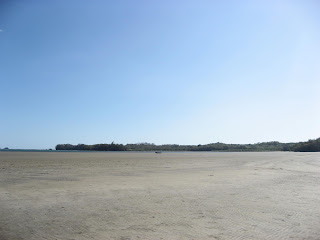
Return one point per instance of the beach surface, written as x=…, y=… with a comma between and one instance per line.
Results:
x=185, y=195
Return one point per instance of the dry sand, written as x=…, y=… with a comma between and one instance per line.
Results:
x=100, y=195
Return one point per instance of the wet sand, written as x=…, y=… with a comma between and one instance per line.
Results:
x=128, y=195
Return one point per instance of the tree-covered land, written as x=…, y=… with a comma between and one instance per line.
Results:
x=266, y=146
x=310, y=146
x=95, y=147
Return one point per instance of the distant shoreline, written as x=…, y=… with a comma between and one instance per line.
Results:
x=310, y=146
x=130, y=151
x=274, y=146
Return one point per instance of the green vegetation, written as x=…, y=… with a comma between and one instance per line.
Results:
x=258, y=147
x=310, y=146
x=96, y=147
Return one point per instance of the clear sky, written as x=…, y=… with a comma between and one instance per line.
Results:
x=185, y=72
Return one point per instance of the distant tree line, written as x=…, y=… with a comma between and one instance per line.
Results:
x=95, y=147
x=258, y=147
x=310, y=146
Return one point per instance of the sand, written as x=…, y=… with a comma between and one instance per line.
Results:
x=129, y=195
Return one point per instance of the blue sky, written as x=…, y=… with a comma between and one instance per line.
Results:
x=186, y=72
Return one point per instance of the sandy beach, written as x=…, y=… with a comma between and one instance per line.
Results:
x=131, y=195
